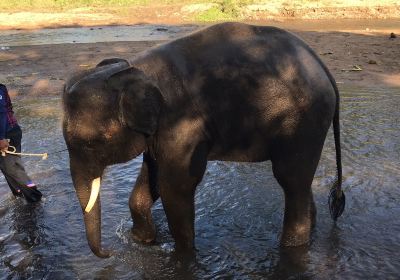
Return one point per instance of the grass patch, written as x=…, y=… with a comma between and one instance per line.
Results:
x=48, y=5
x=213, y=14
x=224, y=10
x=23, y=5
x=227, y=8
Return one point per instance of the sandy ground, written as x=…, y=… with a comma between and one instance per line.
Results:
x=187, y=13
x=362, y=60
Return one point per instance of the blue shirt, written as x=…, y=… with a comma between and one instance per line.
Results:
x=7, y=119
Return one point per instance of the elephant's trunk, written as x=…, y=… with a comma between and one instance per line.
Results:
x=91, y=208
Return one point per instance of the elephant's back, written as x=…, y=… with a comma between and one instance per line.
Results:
x=237, y=52
x=262, y=81
x=244, y=64
x=234, y=56
x=250, y=84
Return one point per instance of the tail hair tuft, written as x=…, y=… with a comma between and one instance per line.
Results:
x=336, y=201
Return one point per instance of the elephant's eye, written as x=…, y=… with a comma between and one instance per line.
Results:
x=91, y=145
x=87, y=147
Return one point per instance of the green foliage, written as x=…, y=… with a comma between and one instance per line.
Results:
x=66, y=4
x=213, y=14
x=225, y=10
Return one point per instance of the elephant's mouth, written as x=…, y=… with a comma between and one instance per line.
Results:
x=94, y=193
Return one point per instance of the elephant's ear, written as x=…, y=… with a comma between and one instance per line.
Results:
x=140, y=100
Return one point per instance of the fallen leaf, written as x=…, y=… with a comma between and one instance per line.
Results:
x=355, y=68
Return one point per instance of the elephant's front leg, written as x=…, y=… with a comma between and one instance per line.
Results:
x=178, y=179
x=142, y=198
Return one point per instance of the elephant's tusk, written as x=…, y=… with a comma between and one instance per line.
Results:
x=93, y=194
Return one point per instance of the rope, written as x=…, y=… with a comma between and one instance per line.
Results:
x=13, y=152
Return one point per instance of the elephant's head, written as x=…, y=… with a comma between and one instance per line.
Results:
x=109, y=114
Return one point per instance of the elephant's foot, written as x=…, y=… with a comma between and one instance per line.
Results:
x=145, y=235
x=297, y=235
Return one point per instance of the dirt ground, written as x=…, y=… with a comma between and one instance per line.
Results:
x=359, y=57
x=188, y=13
x=362, y=60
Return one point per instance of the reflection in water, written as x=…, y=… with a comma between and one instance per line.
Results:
x=292, y=262
x=239, y=209
x=24, y=235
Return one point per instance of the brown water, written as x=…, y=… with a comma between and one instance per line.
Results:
x=238, y=211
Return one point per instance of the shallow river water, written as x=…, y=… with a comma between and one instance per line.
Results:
x=146, y=32
x=239, y=210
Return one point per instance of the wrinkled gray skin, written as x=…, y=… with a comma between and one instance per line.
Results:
x=230, y=92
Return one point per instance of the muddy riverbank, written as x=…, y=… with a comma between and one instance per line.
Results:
x=356, y=57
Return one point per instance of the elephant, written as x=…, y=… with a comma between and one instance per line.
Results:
x=229, y=92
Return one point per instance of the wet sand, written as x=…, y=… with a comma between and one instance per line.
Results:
x=355, y=58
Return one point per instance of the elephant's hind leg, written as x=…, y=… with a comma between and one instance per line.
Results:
x=295, y=174
x=142, y=198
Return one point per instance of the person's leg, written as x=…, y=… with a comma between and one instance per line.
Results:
x=14, y=186
x=17, y=179
x=15, y=172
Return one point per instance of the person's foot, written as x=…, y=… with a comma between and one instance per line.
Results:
x=31, y=193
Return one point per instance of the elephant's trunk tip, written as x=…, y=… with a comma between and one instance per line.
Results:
x=101, y=253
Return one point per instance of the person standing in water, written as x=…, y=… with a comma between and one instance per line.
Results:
x=11, y=165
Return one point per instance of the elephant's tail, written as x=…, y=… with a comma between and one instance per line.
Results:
x=337, y=198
